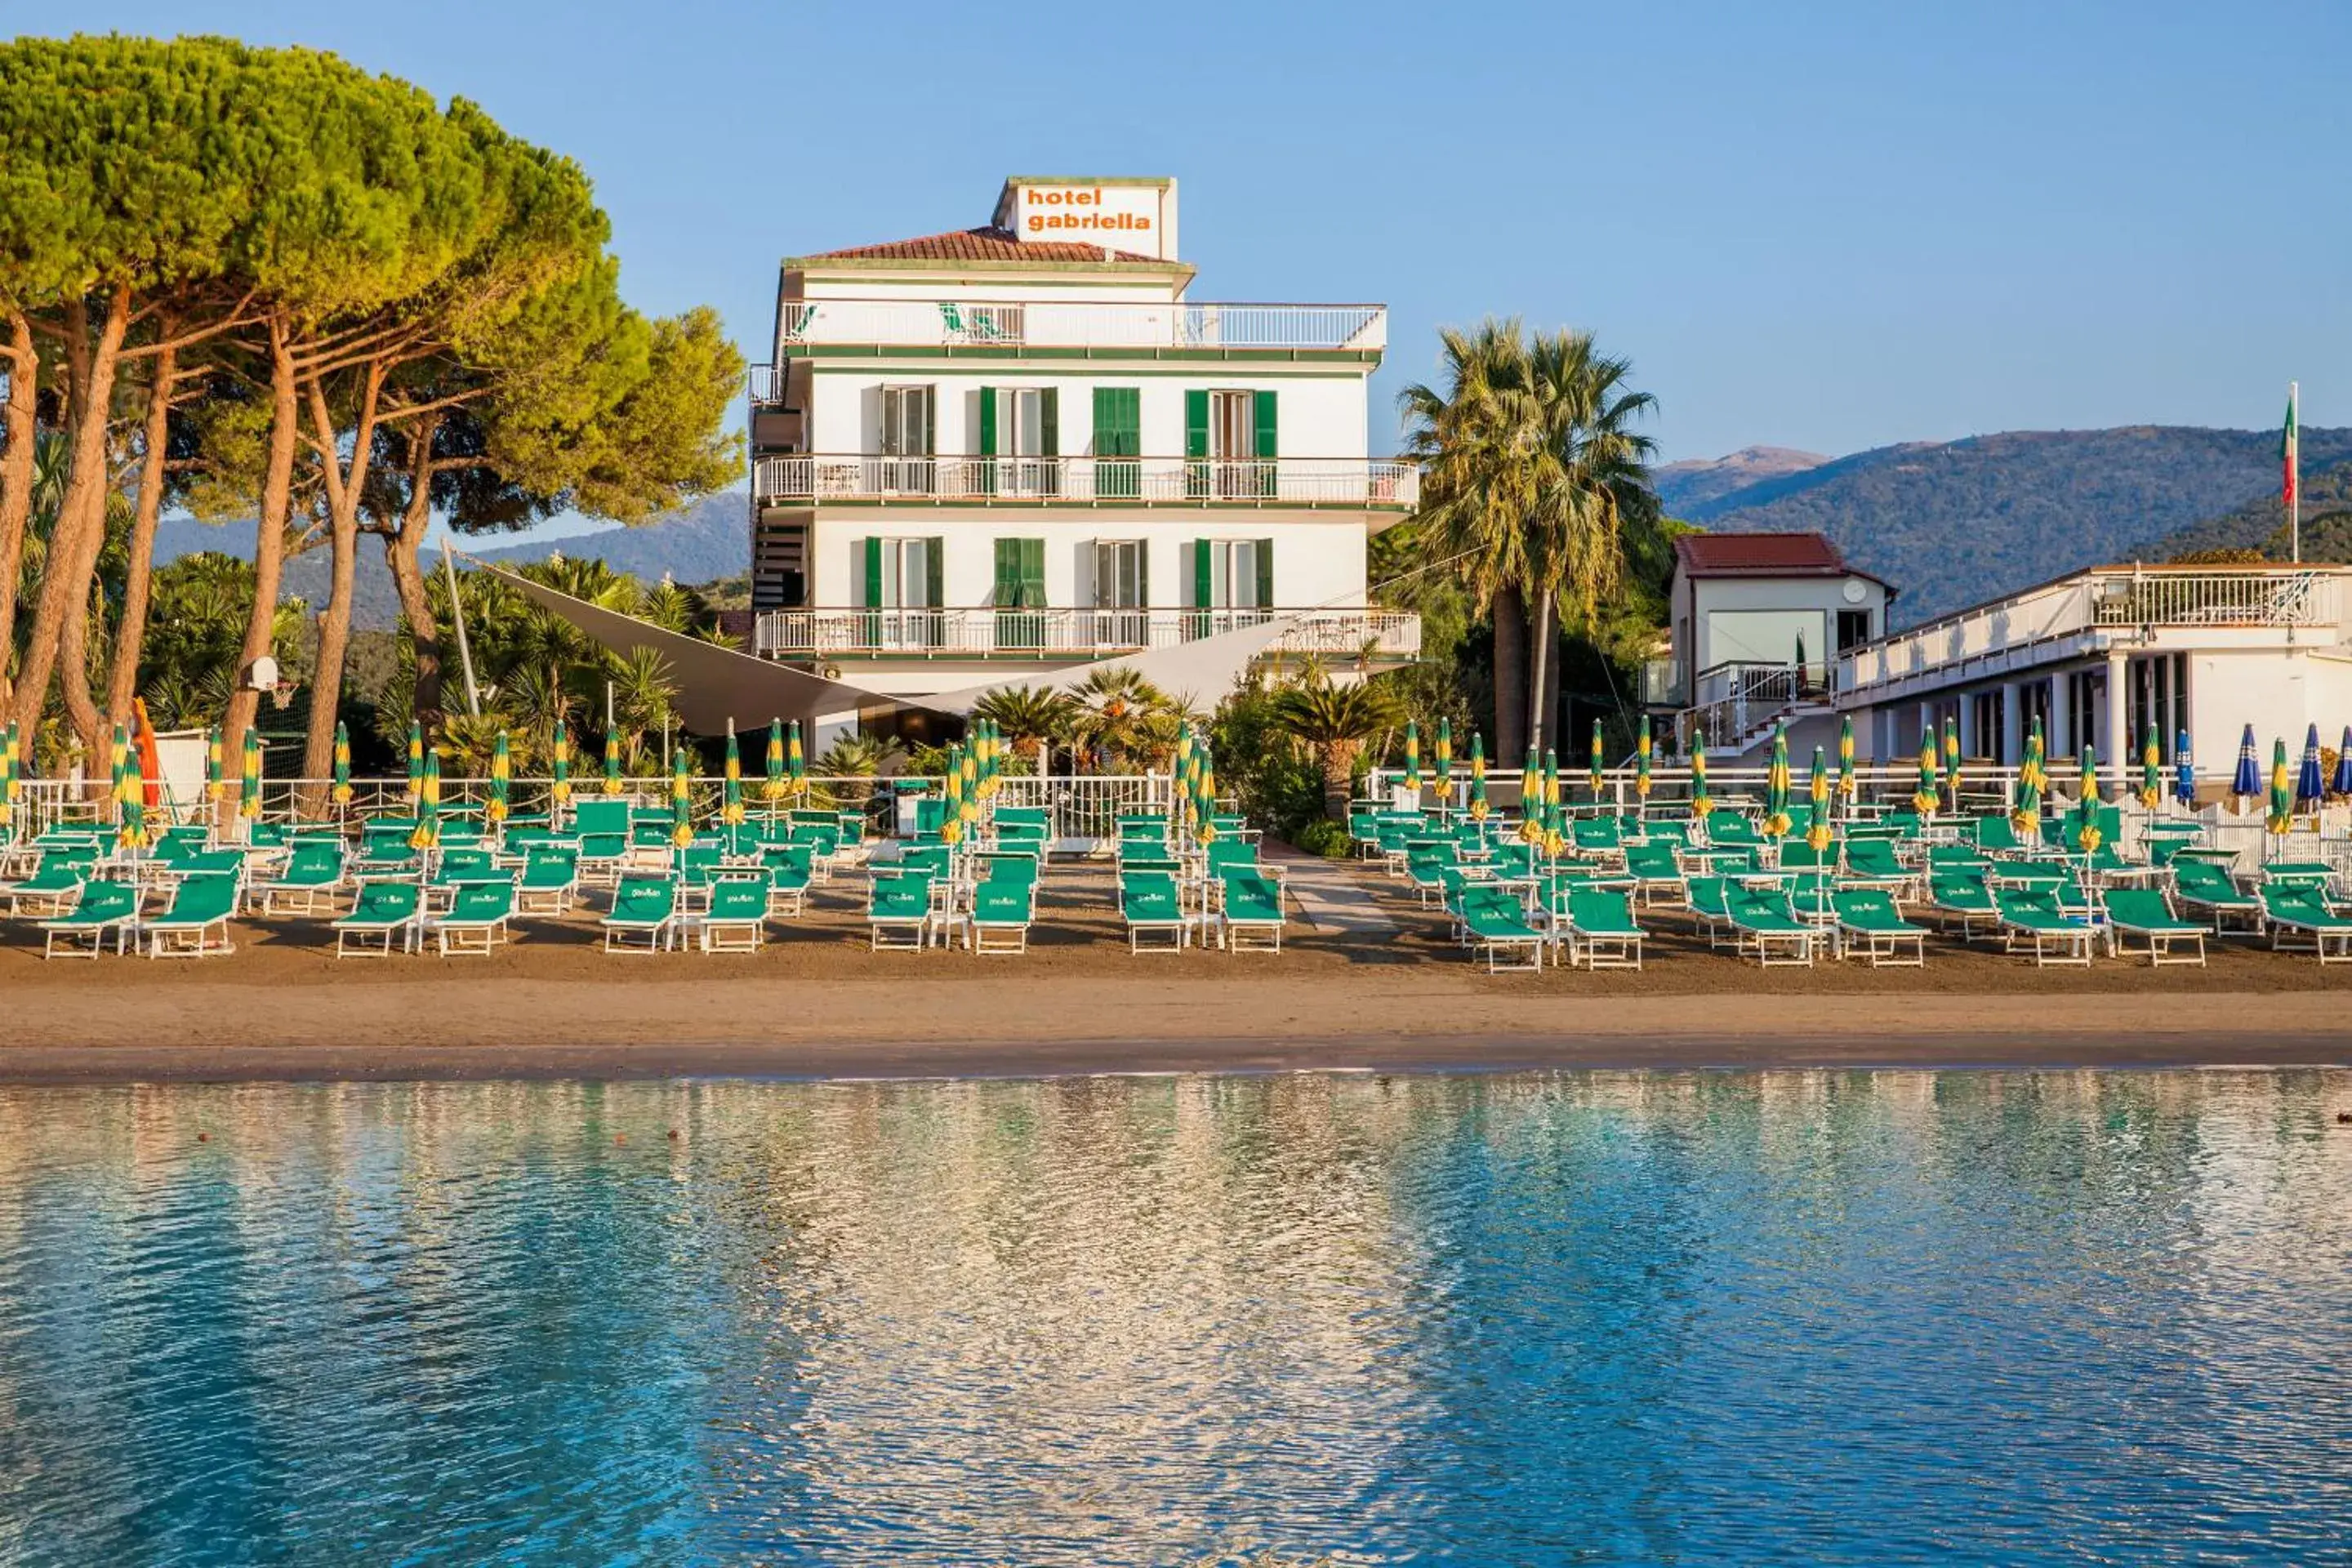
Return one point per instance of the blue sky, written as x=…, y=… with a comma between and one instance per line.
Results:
x=1825, y=226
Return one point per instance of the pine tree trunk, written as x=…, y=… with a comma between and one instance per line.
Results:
x=269, y=541
x=344, y=487
x=1510, y=625
x=15, y=474
x=130, y=641
x=404, y=548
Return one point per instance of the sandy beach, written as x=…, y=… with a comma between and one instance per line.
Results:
x=1366, y=981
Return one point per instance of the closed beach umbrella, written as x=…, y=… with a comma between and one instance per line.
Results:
x=1531, y=798
x=2184, y=771
x=612, y=761
x=795, y=758
x=415, y=762
x=773, y=790
x=2282, y=803
x=1208, y=797
x=502, y=778
x=1952, y=760
x=559, y=763
x=1412, y=757
x=682, y=800
x=216, y=770
x=341, y=792
x=2310, y=782
x=1644, y=749
x=2025, y=811
x=952, y=792
x=1775, y=786
x=427, y=832
x=1817, y=829
x=1930, y=791
x=248, y=801
x=970, y=788
x=2151, y=771
x=1849, y=785
x=1597, y=767
x=731, y=805
x=2086, y=802
x=2343, y=780
x=2247, y=782
x=131, y=790
x=8, y=785
x=1477, y=776
x=1552, y=777
x=1445, y=761
x=118, y=753
x=1701, y=802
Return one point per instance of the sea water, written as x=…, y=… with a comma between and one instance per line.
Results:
x=1803, y=1316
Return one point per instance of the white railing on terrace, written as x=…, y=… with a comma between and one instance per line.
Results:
x=1730, y=701
x=2089, y=602
x=767, y=383
x=1257, y=481
x=1147, y=326
x=988, y=633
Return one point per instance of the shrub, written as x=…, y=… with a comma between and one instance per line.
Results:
x=1325, y=838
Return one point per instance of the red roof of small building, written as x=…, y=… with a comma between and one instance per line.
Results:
x=986, y=243
x=1765, y=555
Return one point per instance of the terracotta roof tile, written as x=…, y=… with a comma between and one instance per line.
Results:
x=983, y=244
x=1765, y=555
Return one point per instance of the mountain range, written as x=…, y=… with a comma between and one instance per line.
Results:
x=1954, y=523
x=707, y=539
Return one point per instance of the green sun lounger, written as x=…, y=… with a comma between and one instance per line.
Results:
x=54, y=886
x=1996, y=835
x=1252, y=919
x=1871, y=862
x=898, y=909
x=2147, y=914
x=1153, y=906
x=1764, y=926
x=737, y=919
x=1002, y=912
x=476, y=919
x=380, y=911
x=1966, y=899
x=644, y=915
x=790, y=871
x=196, y=924
x=1710, y=908
x=314, y=870
x=2205, y=886
x=1495, y=920
x=2301, y=920
x=1796, y=855
x=550, y=876
x=1601, y=931
x=104, y=908
x=1730, y=830
x=1868, y=922
x=1657, y=873
x=2031, y=917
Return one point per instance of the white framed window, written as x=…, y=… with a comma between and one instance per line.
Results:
x=1120, y=575
x=906, y=440
x=1235, y=569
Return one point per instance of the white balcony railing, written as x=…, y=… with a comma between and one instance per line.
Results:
x=1336, y=633
x=767, y=383
x=1144, y=326
x=1287, y=481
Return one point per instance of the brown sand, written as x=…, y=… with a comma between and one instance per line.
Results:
x=815, y=1002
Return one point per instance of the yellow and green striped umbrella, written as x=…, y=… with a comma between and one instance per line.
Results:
x=772, y=790
x=118, y=752
x=1555, y=839
x=341, y=792
x=1207, y=830
x=2086, y=803
x=1952, y=759
x=415, y=760
x=681, y=797
x=1441, y=770
x=1776, y=822
x=502, y=778
x=612, y=760
x=427, y=832
x=1477, y=776
x=1599, y=771
x=1531, y=799
x=795, y=760
x=951, y=818
x=731, y=803
x=992, y=754
x=970, y=787
x=1930, y=793
x=2282, y=802
x=1817, y=825
x=131, y=797
x=1412, y=757
x=249, y=800
x=1849, y=783
x=1644, y=749
x=1552, y=777
x=9, y=786
x=2025, y=811
x=559, y=763
x=216, y=770
x=1702, y=804
x=2151, y=771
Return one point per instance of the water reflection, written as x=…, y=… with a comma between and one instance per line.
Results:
x=1615, y=1316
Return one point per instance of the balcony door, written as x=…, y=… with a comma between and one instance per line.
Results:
x=908, y=435
x=1122, y=594
x=902, y=593
x=1231, y=441
x=1021, y=594
x=1020, y=437
x=1233, y=584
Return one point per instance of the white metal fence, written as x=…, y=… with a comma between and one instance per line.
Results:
x=795, y=634
x=1086, y=324
x=1254, y=482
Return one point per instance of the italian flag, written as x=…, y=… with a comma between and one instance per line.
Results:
x=2287, y=452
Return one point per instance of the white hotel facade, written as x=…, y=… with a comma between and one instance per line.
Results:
x=1016, y=448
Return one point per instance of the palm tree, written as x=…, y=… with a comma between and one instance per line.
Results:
x=1110, y=706
x=1336, y=721
x=1028, y=716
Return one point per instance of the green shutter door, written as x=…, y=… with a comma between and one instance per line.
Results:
x=1119, y=434
x=1033, y=574
x=1196, y=444
x=988, y=441
x=1204, y=587
x=1020, y=593
x=1008, y=573
x=871, y=632
x=1266, y=573
x=935, y=553
x=1049, y=439
x=1268, y=445
x=1143, y=575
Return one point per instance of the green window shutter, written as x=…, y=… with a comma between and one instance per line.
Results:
x=1196, y=424
x=988, y=422
x=873, y=573
x=931, y=421
x=1049, y=422
x=1119, y=434
x=1268, y=445
x=1143, y=574
x=1033, y=574
x=934, y=568
x=1204, y=578
x=1008, y=572
x=1265, y=571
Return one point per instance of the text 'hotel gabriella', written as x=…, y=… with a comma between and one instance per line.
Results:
x=1023, y=447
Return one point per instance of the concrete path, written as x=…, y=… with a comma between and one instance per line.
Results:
x=1334, y=896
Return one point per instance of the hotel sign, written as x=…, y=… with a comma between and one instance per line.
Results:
x=1127, y=215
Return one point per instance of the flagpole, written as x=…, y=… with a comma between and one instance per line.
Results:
x=2295, y=473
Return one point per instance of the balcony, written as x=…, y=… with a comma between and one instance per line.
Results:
x=2145, y=607
x=1351, y=482
x=1116, y=329
x=1385, y=636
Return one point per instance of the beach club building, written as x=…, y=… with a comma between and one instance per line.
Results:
x=1011, y=450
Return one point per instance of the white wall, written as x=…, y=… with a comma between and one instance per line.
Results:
x=2281, y=694
x=1699, y=597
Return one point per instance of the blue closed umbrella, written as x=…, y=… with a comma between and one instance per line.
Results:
x=2344, y=762
x=2248, y=783
x=2310, y=783
x=2184, y=775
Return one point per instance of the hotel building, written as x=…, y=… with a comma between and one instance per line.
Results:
x=1008, y=450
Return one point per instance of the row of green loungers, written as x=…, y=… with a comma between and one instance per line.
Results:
x=1170, y=890
x=926, y=901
